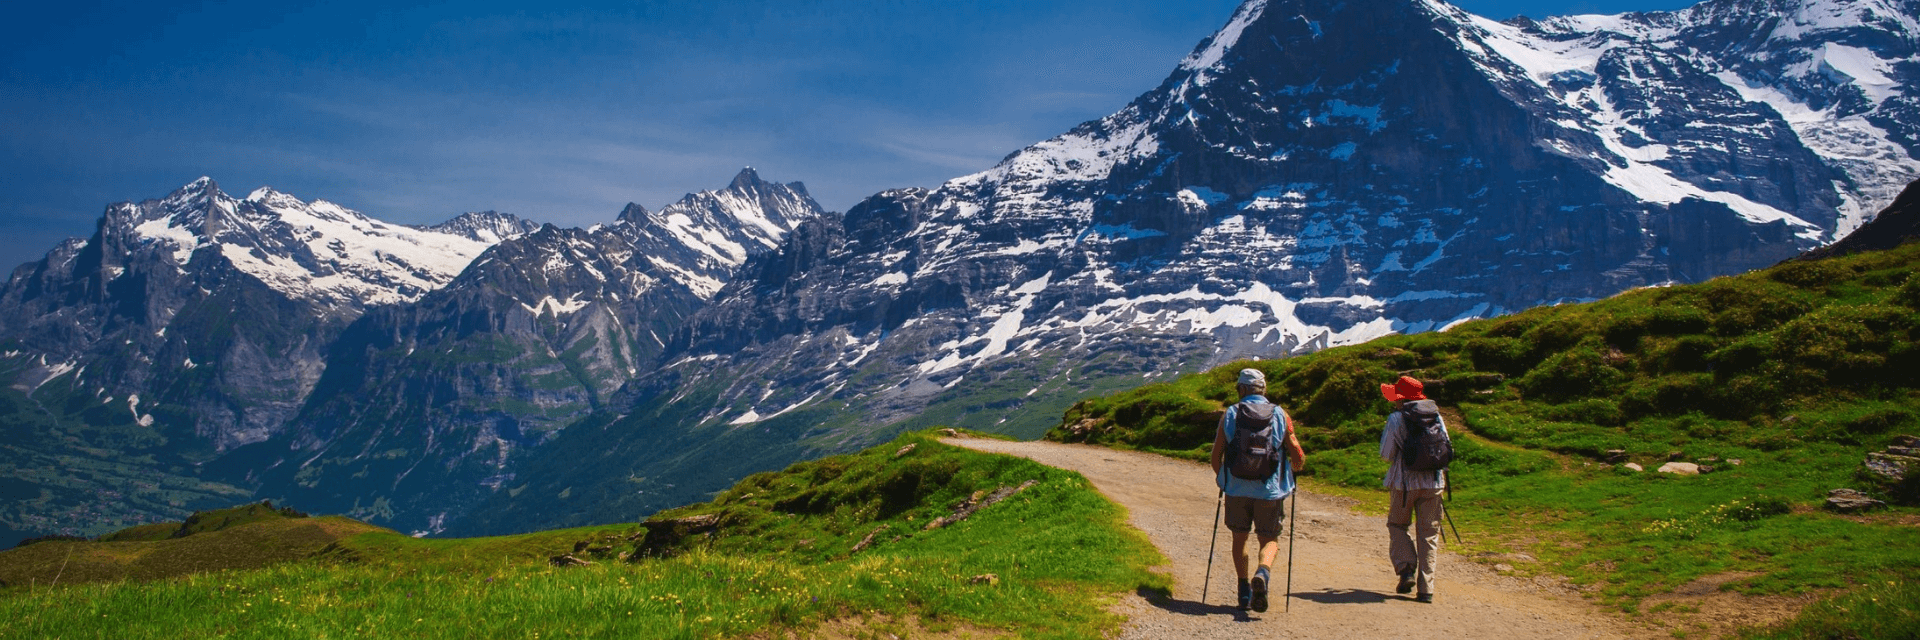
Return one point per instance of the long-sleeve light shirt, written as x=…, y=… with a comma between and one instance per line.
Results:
x=1398, y=477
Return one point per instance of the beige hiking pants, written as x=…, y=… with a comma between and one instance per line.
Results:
x=1411, y=555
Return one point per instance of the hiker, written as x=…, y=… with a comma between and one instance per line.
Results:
x=1254, y=505
x=1412, y=443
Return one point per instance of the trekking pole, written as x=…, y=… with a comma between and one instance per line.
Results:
x=1204, y=582
x=1449, y=517
x=1292, y=528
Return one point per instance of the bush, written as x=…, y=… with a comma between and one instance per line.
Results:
x=1811, y=274
x=1757, y=508
x=1505, y=355
x=1909, y=293
x=1574, y=373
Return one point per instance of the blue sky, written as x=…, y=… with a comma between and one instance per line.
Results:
x=416, y=111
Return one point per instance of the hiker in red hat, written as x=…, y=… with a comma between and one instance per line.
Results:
x=1417, y=449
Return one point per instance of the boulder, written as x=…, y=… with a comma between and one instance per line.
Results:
x=1634, y=466
x=905, y=450
x=1850, y=501
x=1680, y=468
x=1616, y=456
x=988, y=579
x=1892, y=467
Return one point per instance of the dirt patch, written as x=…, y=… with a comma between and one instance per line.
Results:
x=1703, y=607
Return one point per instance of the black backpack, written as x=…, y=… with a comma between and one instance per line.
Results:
x=1252, y=454
x=1424, y=445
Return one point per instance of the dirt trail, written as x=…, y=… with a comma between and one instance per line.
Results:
x=1342, y=584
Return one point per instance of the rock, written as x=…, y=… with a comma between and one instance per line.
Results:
x=1503, y=568
x=951, y=433
x=1680, y=468
x=1706, y=468
x=988, y=579
x=1634, y=466
x=1735, y=461
x=868, y=541
x=976, y=503
x=566, y=560
x=1709, y=459
x=1850, y=501
x=1903, y=451
x=1892, y=467
x=905, y=450
x=1616, y=456
x=1675, y=455
x=1906, y=441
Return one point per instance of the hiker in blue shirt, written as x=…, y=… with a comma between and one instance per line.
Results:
x=1255, y=504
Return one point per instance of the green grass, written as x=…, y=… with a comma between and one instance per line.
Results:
x=1796, y=371
x=780, y=558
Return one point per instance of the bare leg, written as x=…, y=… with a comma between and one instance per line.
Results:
x=1240, y=554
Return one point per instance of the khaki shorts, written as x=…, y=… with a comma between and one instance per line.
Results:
x=1260, y=516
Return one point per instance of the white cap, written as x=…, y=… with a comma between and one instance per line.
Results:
x=1253, y=378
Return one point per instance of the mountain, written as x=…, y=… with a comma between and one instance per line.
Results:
x=187, y=326
x=1317, y=173
x=424, y=406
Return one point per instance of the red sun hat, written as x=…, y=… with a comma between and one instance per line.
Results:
x=1406, y=388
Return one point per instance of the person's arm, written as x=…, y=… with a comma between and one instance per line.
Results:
x=1292, y=445
x=1220, y=445
x=1390, y=438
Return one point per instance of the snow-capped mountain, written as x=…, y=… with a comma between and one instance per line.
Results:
x=535, y=335
x=153, y=300
x=1316, y=173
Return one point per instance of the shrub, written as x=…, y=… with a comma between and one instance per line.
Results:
x=1574, y=373
x=1811, y=274
x=1505, y=355
x=1757, y=508
x=1909, y=293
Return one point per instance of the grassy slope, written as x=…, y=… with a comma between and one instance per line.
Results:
x=780, y=557
x=1797, y=371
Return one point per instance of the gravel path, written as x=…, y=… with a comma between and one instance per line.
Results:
x=1342, y=584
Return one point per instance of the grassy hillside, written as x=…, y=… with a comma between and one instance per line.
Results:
x=75, y=462
x=1781, y=381
x=775, y=552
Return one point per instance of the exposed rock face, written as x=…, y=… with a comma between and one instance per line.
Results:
x=1898, y=223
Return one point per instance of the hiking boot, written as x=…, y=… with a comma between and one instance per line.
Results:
x=1246, y=595
x=1424, y=597
x=1406, y=584
x=1260, y=590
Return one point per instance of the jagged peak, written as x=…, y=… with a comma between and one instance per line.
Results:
x=202, y=187
x=633, y=214
x=746, y=179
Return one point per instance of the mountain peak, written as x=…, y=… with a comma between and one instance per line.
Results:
x=632, y=214
x=202, y=187
x=746, y=179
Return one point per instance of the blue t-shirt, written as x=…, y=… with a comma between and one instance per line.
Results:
x=1274, y=488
